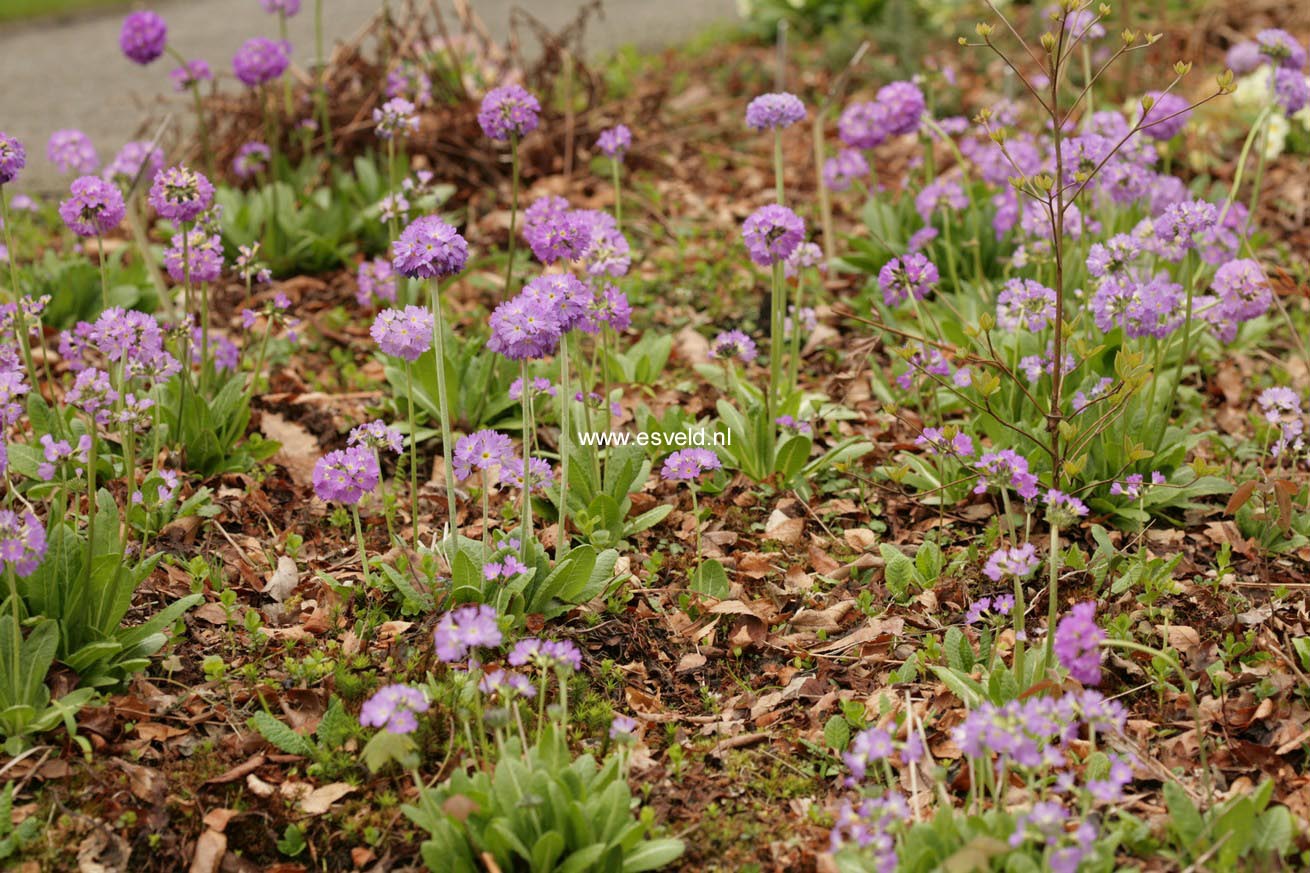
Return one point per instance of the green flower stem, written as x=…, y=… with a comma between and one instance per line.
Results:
x=618, y=194
x=104, y=277
x=286, y=74
x=695, y=515
x=359, y=537
x=413, y=448
x=525, y=528
x=16, y=609
x=203, y=130
x=776, y=340
x=91, y=500
x=1054, y=559
x=443, y=406
x=324, y=117
x=565, y=444
x=777, y=164
x=513, y=216
x=825, y=196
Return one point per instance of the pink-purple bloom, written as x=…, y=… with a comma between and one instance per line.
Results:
x=191, y=74
x=911, y=275
x=376, y=282
x=487, y=451
x=95, y=207
x=462, y=631
x=393, y=708
x=546, y=653
x=251, y=159
x=1025, y=303
x=405, y=333
x=1077, y=643
x=615, y=141
x=733, y=344
x=774, y=111
x=143, y=37
x=346, y=475
x=429, y=248
x=524, y=328
x=508, y=111
x=13, y=158
x=22, y=542
x=72, y=152
x=261, y=60
x=688, y=464
x=1167, y=117
x=200, y=260
x=1019, y=561
x=772, y=233
x=180, y=193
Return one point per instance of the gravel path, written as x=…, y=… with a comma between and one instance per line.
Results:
x=70, y=73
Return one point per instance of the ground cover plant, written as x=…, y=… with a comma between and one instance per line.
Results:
x=441, y=461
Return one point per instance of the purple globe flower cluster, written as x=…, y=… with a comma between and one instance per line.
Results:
x=1025, y=303
x=508, y=112
x=375, y=282
x=22, y=542
x=897, y=109
x=261, y=60
x=13, y=158
x=936, y=441
x=490, y=453
x=429, y=248
x=774, y=111
x=546, y=654
x=251, y=160
x=772, y=233
x=911, y=275
x=984, y=607
x=191, y=74
x=403, y=333
x=733, y=344
x=461, y=632
x=345, y=476
x=687, y=465
x=71, y=151
x=378, y=436
x=180, y=194
x=95, y=207
x=397, y=118
x=1281, y=407
x=1005, y=469
x=531, y=324
x=144, y=37
x=844, y=169
x=394, y=708
x=1077, y=643
x=1019, y=562
x=615, y=141
x=135, y=158
x=200, y=260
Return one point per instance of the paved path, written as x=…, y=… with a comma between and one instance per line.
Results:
x=71, y=73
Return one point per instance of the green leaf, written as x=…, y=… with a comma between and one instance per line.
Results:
x=281, y=736
x=653, y=855
x=837, y=733
x=711, y=580
x=1184, y=819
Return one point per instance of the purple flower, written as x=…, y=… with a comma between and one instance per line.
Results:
x=1132, y=485
x=203, y=261
x=1006, y=469
x=540, y=474
x=1077, y=643
x=1064, y=508
x=251, y=160
x=71, y=151
x=13, y=157
x=347, y=475
x=922, y=238
x=143, y=37
x=523, y=328
x=772, y=233
x=539, y=385
x=1240, y=293
x=261, y=60
x=562, y=293
x=429, y=248
x=546, y=653
x=406, y=333
x=869, y=745
x=774, y=111
x=614, y=142
x=376, y=282
x=689, y=464
x=734, y=344
x=487, y=451
x=863, y=125
x=191, y=74
x=806, y=255
x=608, y=253
x=623, y=728
x=841, y=171
x=135, y=158
x=395, y=118
x=1025, y=303
x=911, y=275
x=934, y=439
x=463, y=630
x=377, y=436
x=506, y=683
x=564, y=237
x=1282, y=48
x=1019, y=561
x=1291, y=90
x=1167, y=117
x=392, y=708
x=22, y=542
x=93, y=394
x=611, y=307
x=942, y=195
x=95, y=208
x=411, y=82
x=1243, y=57
x=508, y=111
x=281, y=7
x=180, y=193
x=903, y=106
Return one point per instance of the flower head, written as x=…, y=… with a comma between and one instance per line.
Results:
x=395, y=118
x=1025, y=303
x=524, y=327
x=72, y=152
x=376, y=282
x=405, y=333
x=462, y=631
x=564, y=237
x=772, y=233
x=261, y=60
x=393, y=708
x=13, y=157
x=774, y=111
x=734, y=344
x=1019, y=561
x=546, y=653
x=180, y=193
x=22, y=542
x=1282, y=48
x=201, y=258
x=251, y=159
x=508, y=111
x=615, y=141
x=347, y=475
x=281, y=7
x=911, y=275
x=429, y=248
x=143, y=37
x=487, y=451
x=689, y=464
x=377, y=435
x=565, y=295
x=1005, y=469
x=95, y=207
x=1167, y=117
x=191, y=74
x=841, y=171
x=1077, y=643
